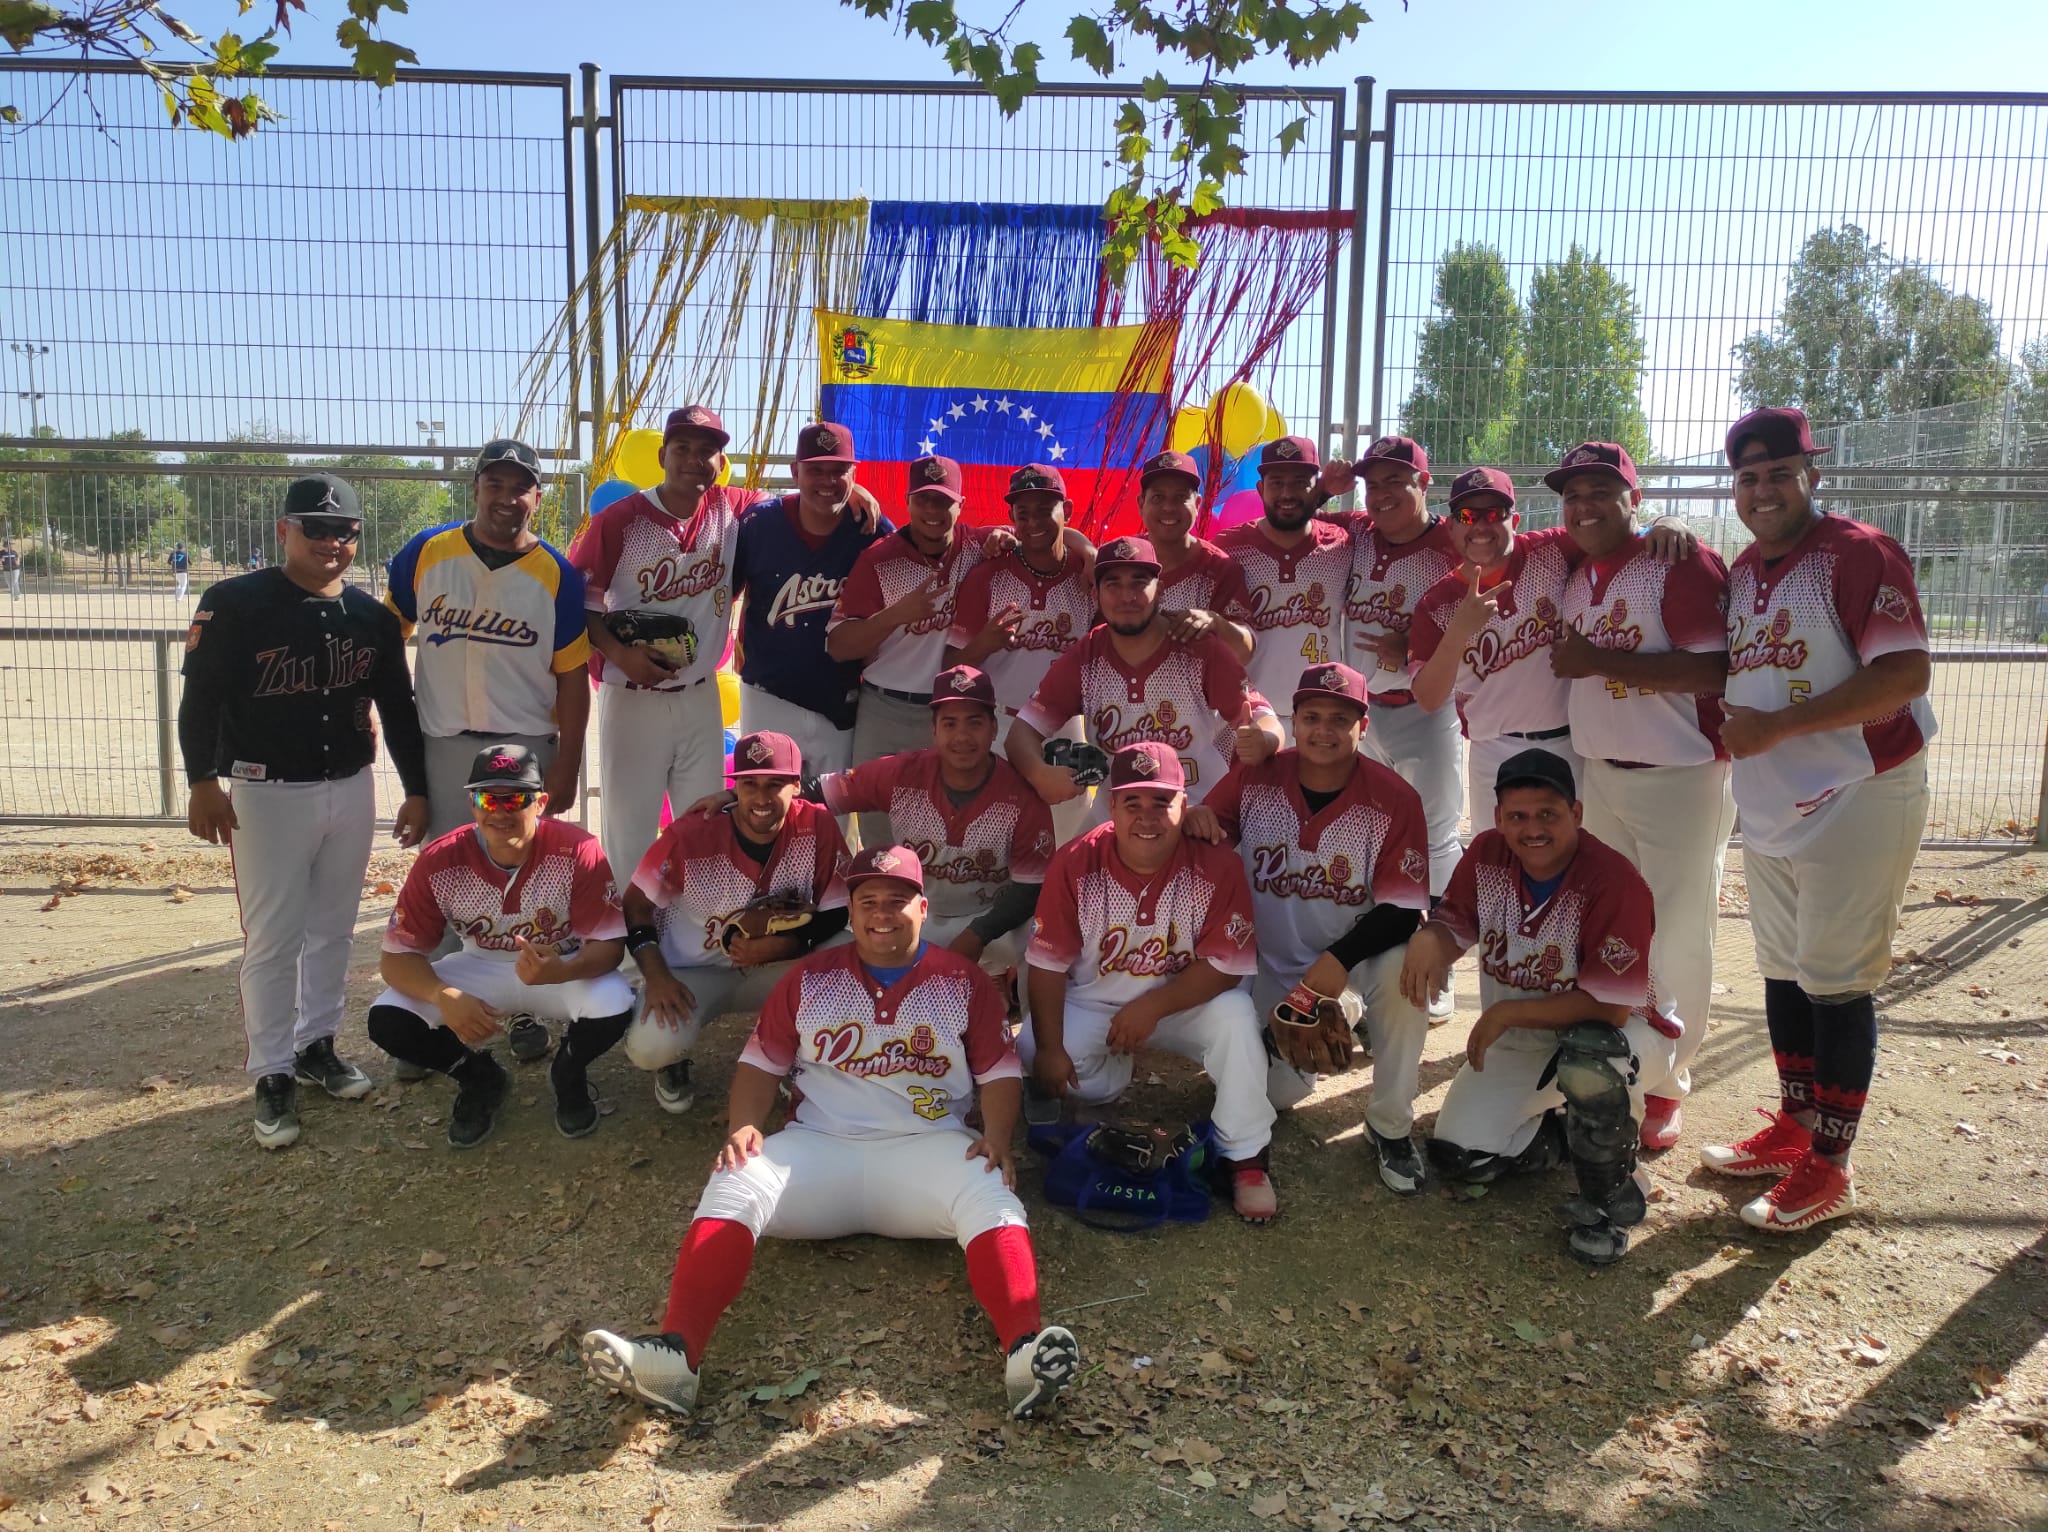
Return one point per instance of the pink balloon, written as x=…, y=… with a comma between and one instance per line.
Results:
x=1241, y=507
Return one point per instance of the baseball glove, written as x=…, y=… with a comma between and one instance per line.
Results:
x=1089, y=763
x=769, y=915
x=1314, y=1032
x=669, y=635
x=1137, y=1151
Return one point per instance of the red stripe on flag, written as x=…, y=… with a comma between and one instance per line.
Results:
x=1104, y=503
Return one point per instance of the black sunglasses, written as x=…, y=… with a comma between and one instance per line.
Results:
x=329, y=528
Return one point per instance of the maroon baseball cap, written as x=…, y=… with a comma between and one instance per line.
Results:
x=939, y=473
x=898, y=862
x=1482, y=481
x=1035, y=478
x=1146, y=766
x=825, y=441
x=694, y=417
x=1331, y=680
x=767, y=754
x=1288, y=452
x=1782, y=432
x=1138, y=552
x=963, y=683
x=1396, y=449
x=1609, y=458
x=1168, y=462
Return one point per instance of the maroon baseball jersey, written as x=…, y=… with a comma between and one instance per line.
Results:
x=1117, y=934
x=1802, y=626
x=635, y=556
x=563, y=895
x=1297, y=599
x=1206, y=581
x=1191, y=698
x=1504, y=683
x=884, y=574
x=1386, y=582
x=871, y=1062
x=1592, y=933
x=1313, y=874
x=696, y=875
x=1059, y=609
x=970, y=850
x=1635, y=602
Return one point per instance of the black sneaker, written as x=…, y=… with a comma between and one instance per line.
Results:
x=529, y=1039
x=317, y=1064
x=1042, y=1107
x=575, y=1104
x=480, y=1088
x=672, y=1088
x=1400, y=1164
x=277, y=1111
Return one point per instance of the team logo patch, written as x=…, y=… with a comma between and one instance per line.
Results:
x=1340, y=868
x=887, y=861
x=1580, y=455
x=1414, y=865
x=503, y=763
x=1122, y=548
x=192, y=634
x=1239, y=930
x=853, y=351
x=963, y=683
x=1285, y=448
x=922, y=1041
x=1144, y=762
x=1331, y=678
x=1618, y=955
x=1891, y=602
x=697, y=415
x=1384, y=447
x=1031, y=478
x=934, y=472
x=760, y=751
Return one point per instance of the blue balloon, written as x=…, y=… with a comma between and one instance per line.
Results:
x=1240, y=473
x=610, y=493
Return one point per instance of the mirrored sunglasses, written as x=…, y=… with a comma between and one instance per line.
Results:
x=330, y=528
x=1480, y=515
x=508, y=800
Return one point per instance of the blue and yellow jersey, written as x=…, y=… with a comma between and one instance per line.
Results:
x=491, y=641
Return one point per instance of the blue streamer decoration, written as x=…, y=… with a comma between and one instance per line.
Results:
x=1014, y=265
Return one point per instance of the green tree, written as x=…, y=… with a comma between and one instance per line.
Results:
x=1863, y=335
x=230, y=513
x=1468, y=359
x=99, y=509
x=393, y=509
x=1582, y=364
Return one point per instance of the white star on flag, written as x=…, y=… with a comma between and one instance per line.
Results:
x=957, y=411
x=1056, y=453
x=1003, y=406
x=939, y=426
x=1044, y=429
x=927, y=447
x=1025, y=413
x=980, y=404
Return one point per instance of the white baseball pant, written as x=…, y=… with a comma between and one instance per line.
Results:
x=1496, y=1110
x=1672, y=823
x=824, y=748
x=809, y=1185
x=182, y=577
x=1000, y=955
x=1069, y=819
x=1487, y=755
x=1427, y=751
x=1223, y=1036
x=1824, y=916
x=886, y=726
x=449, y=757
x=1396, y=1029
x=14, y=583
x=718, y=992
x=299, y=857
x=651, y=745
x=495, y=982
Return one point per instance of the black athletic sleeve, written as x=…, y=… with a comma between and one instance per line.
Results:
x=1013, y=905
x=391, y=687
x=1379, y=929
x=211, y=651
x=822, y=927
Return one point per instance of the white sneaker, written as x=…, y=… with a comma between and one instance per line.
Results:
x=672, y=1091
x=653, y=1367
x=1040, y=1367
x=1442, y=1008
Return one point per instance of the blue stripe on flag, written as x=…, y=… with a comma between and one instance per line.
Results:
x=971, y=425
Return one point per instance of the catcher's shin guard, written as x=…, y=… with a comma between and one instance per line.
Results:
x=1594, y=1067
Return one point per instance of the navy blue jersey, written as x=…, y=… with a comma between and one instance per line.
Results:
x=790, y=593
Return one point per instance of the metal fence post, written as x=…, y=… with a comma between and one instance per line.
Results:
x=1354, y=322
x=166, y=733
x=1379, y=318
x=593, y=235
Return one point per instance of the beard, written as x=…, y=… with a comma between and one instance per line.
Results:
x=1129, y=630
x=1289, y=519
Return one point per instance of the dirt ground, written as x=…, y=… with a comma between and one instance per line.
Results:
x=371, y=1331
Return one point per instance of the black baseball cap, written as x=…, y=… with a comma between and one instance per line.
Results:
x=322, y=494
x=505, y=766
x=506, y=450
x=1536, y=768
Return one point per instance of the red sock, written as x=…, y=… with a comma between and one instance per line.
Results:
x=711, y=1268
x=1004, y=1275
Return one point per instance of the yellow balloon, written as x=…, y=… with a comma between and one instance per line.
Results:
x=729, y=698
x=639, y=458
x=1243, y=418
x=1190, y=428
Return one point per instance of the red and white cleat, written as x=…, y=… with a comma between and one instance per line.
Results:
x=1817, y=1189
x=1252, y=1196
x=1771, y=1152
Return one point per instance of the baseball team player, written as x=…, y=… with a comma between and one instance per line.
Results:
x=1130, y=682
x=1333, y=845
x=282, y=668
x=1828, y=721
x=665, y=551
x=1645, y=648
x=1571, y=1022
x=1295, y=566
x=503, y=646
x=181, y=569
x=1143, y=938
x=768, y=844
x=893, y=615
x=10, y=565
x=1201, y=591
x=792, y=559
x=537, y=911
x=887, y=1044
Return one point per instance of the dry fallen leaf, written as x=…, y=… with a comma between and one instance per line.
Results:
x=430, y=1260
x=385, y=887
x=181, y=895
x=1274, y=1504
x=1196, y=1452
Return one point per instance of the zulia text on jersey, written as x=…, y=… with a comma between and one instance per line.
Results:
x=338, y=662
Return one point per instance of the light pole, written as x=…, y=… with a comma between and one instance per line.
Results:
x=431, y=430
x=31, y=352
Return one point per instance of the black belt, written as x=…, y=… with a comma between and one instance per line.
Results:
x=1539, y=734
x=502, y=734
x=334, y=774
x=1628, y=765
x=922, y=698
x=674, y=691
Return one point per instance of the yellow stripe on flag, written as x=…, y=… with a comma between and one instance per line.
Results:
x=853, y=350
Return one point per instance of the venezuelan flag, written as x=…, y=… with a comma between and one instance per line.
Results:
x=1083, y=400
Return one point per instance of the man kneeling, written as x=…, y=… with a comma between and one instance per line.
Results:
x=542, y=934
x=886, y=1042
x=1571, y=1020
